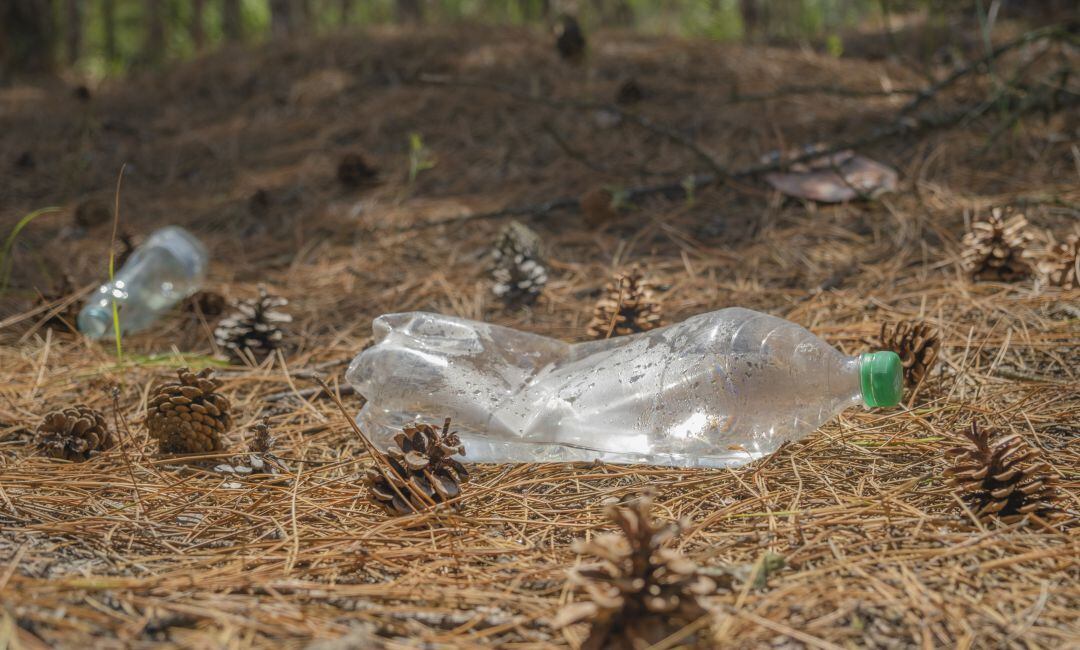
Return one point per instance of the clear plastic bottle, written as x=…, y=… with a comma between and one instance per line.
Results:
x=718, y=389
x=168, y=267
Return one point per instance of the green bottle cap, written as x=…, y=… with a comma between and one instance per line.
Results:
x=882, y=378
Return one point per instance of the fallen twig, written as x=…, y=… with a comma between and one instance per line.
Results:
x=308, y=393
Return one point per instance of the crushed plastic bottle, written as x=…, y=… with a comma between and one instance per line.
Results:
x=161, y=272
x=719, y=389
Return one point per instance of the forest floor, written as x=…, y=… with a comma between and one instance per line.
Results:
x=242, y=147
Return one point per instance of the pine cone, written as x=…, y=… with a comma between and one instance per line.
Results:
x=354, y=171
x=917, y=346
x=629, y=92
x=518, y=265
x=1059, y=264
x=1006, y=479
x=995, y=248
x=73, y=433
x=262, y=441
x=65, y=319
x=254, y=329
x=189, y=416
x=598, y=206
x=126, y=243
x=205, y=303
x=569, y=39
x=639, y=592
x=627, y=307
x=423, y=464
x=92, y=212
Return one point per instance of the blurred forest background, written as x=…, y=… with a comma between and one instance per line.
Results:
x=100, y=37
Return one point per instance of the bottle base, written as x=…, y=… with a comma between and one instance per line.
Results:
x=479, y=450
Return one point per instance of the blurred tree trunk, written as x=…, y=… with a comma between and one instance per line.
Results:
x=614, y=12
x=74, y=27
x=27, y=30
x=409, y=11
x=345, y=9
x=622, y=14
x=301, y=16
x=281, y=18
x=231, y=21
x=108, y=20
x=534, y=9
x=751, y=18
x=198, y=36
x=154, y=46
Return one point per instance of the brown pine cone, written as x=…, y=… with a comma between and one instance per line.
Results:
x=639, y=591
x=92, y=212
x=354, y=171
x=205, y=303
x=628, y=306
x=188, y=416
x=262, y=441
x=1006, y=478
x=569, y=39
x=65, y=319
x=629, y=92
x=424, y=471
x=917, y=346
x=74, y=433
x=1059, y=264
x=598, y=206
x=996, y=249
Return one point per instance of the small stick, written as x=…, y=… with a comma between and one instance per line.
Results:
x=307, y=393
x=119, y=419
x=385, y=468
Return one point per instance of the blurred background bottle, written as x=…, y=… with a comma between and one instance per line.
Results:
x=167, y=268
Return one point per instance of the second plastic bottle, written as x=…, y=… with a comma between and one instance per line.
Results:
x=161, y=272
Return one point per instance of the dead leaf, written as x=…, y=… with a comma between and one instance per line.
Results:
x=843, y=176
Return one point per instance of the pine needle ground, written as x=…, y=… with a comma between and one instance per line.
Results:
x=128, y=549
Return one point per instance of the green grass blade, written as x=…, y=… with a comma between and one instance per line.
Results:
x=6, y=261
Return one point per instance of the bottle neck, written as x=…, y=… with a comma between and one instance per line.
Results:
x=95, y=321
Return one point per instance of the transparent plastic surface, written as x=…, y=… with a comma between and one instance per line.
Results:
x=167, y=268
x=719, y=389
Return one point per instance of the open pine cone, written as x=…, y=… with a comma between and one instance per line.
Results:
x=254, y=329
x=424, y=470
x=262, y=440
x=917, y=346
x=639, y=592
x=518, y=264
x=188, y=416
x=66, y=318
x=995, y=249
x=259, y=459
x=598, y=207
x=355, y=171
x=74, y=433
x=1006, y=478
x=569, y=39
x=205, y=304
x=1059, y=264
x=627, y=307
